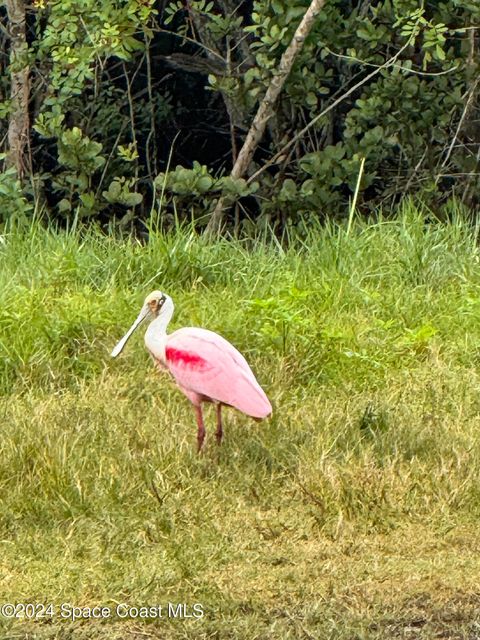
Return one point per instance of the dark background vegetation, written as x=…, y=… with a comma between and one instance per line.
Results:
x=141, y=106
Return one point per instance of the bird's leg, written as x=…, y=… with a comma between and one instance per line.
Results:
x=201, y=428
x=219, y=431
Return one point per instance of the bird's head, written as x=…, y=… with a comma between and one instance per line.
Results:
x=154, y=303
x=157, y=304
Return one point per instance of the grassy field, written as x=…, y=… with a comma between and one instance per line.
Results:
x=352, y=513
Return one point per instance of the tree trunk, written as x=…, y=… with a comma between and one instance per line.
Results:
x=266, y=109
x=18, y=126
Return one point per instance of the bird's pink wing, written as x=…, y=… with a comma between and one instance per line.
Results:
x=205, y=363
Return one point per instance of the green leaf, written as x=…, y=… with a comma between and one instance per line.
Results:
x=204, y=184
x=440, y=52
x=132, y=199
x=64, y=206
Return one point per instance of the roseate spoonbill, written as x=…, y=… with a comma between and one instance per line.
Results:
x=206, y=367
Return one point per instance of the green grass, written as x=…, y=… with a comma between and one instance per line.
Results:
x=351, y=513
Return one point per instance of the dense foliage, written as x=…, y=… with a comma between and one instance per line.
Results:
x=141, y=106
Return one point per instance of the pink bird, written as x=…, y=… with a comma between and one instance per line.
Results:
x=206, y=367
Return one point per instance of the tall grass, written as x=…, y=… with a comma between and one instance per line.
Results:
x=350, y=513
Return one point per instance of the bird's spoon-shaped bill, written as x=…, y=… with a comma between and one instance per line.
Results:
x=118, y=348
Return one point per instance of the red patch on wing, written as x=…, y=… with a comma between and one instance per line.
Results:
x=185, y=358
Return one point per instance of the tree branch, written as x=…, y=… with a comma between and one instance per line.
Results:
x=266, y=109
x=388, y=63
